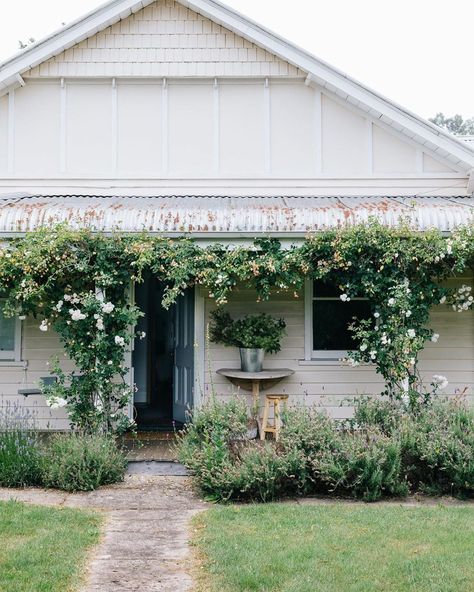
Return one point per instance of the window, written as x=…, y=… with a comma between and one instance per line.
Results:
x=10, y=336
x=328, y=319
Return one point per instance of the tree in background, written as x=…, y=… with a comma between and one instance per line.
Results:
x=455, y=125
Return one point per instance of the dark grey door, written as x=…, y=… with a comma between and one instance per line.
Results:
x=183, y=379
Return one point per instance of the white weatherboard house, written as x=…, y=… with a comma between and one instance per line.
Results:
x=186, y=117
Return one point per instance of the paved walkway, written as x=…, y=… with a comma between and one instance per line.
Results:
x=144, y=547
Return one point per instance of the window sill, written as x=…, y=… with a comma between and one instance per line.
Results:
x=13, y=363
x=332, y=362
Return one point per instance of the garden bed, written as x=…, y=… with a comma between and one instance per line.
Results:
x=388, y=449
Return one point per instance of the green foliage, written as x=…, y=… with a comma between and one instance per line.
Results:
x=76, y=462
x=45, y=549
x=364, y=464
x=76, y=282
x=334, y=547
x=20, y=460
x=455, y=124
x=252, y=331
x=439, y=442
x=385, y=451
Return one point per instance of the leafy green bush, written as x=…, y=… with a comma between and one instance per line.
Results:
x=81, y=462
x=385, y=451
x=438, y=444
x=366, y=464
x=20, y=459
x=252, y=331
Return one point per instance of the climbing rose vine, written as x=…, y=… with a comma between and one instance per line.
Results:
x=77, y=283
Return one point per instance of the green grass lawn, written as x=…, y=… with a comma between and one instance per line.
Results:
x=44, y=549
x=335, y=548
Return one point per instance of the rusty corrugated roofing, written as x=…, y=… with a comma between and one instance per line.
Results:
x=243, y=215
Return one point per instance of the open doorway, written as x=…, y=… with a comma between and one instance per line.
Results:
x=163, y=361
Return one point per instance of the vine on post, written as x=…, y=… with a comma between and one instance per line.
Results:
x=76, y=282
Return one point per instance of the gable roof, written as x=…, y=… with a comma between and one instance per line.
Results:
x=428, y=135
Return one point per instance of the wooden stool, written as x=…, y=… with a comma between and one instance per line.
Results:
x=274, y=400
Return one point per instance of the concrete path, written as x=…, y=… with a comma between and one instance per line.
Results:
x=145, y=544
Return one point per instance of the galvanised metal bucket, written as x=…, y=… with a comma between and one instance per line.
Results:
x=251, y=359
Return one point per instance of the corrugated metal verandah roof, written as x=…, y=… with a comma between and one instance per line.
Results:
x=243, y=215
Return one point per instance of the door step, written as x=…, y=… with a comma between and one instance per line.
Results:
x=157, y=469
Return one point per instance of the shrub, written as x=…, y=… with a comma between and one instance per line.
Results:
x=81, y=462
x=266, y=473
x=19, y=458
x=438, y=444
x=385, y=451
x=382, y=414
x=365, y=464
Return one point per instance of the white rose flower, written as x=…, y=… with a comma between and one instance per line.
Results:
x=435, y=337
x=22, y=317
x=67, y=297
x=411, y=333
x=391, y=301
x=44, y=325
x=363, y=347
x=107, y=307
x=56, y=402
x=344, y=297
x=440, y=382
x=376, y=315
x=442, y=300
x=119, y=340
x=373, y=354
x=142, y=335
x=109, y=363
x=100, y=324
x=408, y=313
x=59, y=305
x=77, y=315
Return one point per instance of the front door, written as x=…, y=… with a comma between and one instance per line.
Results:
x=183, y=379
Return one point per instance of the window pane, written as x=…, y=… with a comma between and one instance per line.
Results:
x=331, y=319
x=322, y=289
x=7, y=331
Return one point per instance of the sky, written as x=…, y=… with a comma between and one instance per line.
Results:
x=418, y=53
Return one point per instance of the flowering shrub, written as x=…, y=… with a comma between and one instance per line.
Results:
x=75, y=462
x=76, y=282
x=387, y=450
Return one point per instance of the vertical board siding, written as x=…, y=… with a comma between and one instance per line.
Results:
x=165, y=40
x=139, y=128
x=3, y=134
x=89, y=128
x=37, y=131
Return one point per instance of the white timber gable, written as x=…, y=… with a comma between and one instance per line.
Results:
x=162, y=95
x=165, y=39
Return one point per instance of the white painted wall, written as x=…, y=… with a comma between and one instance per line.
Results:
x=330, y=385
x=180, y=129
x=165, y=39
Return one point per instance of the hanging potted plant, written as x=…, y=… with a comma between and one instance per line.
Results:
x=254, y=335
